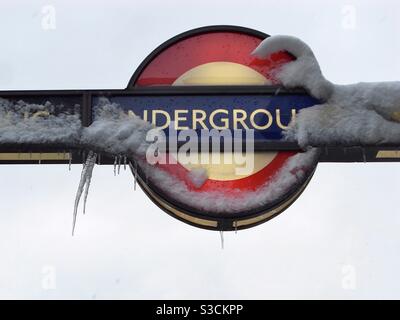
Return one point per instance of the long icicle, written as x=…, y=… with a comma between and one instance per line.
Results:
x=89, y=172
x=221, y=234
x=78, y=196
x=82, y=183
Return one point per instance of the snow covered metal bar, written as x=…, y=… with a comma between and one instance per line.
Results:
x=268, y=110
x=39, y=127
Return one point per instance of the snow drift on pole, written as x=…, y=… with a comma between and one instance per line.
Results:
x=357, y=114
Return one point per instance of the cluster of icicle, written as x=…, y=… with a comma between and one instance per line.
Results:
x=113, y=133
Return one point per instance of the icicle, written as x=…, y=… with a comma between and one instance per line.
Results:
x=133, y=170
x=124, y=163
x=99, y=159
x=221, y=233
x=90, y=165
x=83, y=184
x=115, y=166
x=235, y=224
x=70, y=161
x=78, y=196
x=119, y=164
x=40, y=158
x=364, y=156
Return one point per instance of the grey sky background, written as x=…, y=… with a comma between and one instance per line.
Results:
x=339, y=240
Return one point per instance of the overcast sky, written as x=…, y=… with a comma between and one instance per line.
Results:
x=341, y=239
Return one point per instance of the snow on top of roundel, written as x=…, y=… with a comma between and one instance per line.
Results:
x=356, y=114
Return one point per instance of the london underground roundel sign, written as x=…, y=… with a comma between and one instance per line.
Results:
x=221, y=56
x=202, y=84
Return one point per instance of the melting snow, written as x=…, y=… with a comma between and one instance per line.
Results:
x=293, y=171
x=357, y=114
x=17, y=125
x=116, y=133
x=198, y=176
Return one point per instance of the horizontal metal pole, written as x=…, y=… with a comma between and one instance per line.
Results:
x=381, y=153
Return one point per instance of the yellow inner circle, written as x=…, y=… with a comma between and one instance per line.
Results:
x=221, y=73
x=225, y=73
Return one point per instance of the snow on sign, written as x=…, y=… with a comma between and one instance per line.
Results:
x=221, y=126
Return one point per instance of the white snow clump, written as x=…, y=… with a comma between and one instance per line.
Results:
x=356, y=114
